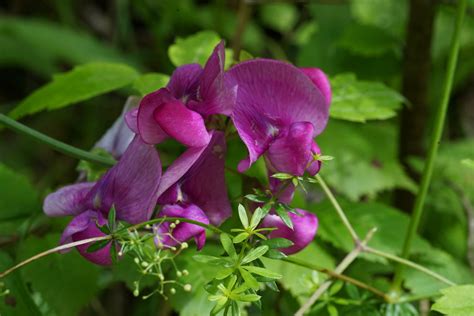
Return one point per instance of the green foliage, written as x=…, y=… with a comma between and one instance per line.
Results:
x=456, y=301
x=193, y=49
x=365, y=161
x=41, y=46
x=281, y=17
x=18, y=198
x=359, y=101
x=79, y=84
x=65, y=282
x=150, y=82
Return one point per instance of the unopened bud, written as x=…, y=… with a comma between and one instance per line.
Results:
x=161, y=277
x=147, y=226
x=177, y=222
x=172, y=225
x=137, y=261
x=136, y=293
x=173, y=290
x=145, y=264
x=184, y=245
x=179, y=274
x=187, y=287
x=173, y=248
x=185, y=272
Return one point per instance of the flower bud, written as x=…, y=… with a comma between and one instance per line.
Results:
x=179, y=274
x=172, y=225
x=137, y=261
x=185, y=272
x=173, y=290
x=187, y=287
x=184, y=245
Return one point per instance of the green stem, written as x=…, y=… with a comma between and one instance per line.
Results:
x=338, y=208
x=434, y=144
x=55, y=144
x=172, y=219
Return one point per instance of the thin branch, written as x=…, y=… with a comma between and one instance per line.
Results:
x=54, y=143
x=346, y=262
x=338, y=209
x=53, y=250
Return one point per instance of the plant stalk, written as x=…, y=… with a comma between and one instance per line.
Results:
x=434, y=144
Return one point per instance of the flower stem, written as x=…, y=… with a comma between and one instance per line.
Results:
x=338, y=209
x=434, y=144
x=346, y=262
x=54, y=143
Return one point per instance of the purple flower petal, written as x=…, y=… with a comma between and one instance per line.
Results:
x=285, y=191
x=270, y=97
x=83, y=227
x=131, y=118
x=184, y=82
x=68, y=200
x=148, y=128
x=213, y=96
x=319, y=78
x=182, y=124
x=291, y=153
x=183, y=231
x=119, y=136
x=131, y=185
x=204, y=184
x=315, y=166
x=305, y=226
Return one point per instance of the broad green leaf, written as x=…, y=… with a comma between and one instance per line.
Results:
x=263, y=272
x=193, y=49
x=18, y=301
x=81, y=83
x=243, y=216
x=150, y=82
x=456, y=301
x=228, y=245
x=359, y=101
x=248, y=279
x=66, y=282
x=44, y=47
x=18, y=198
x=281, y=17
x=254, y=254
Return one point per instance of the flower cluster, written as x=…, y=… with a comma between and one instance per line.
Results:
x=277, y=111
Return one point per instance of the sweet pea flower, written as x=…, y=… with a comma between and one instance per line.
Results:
x=180, y=109
x=278, y=111
x=305, y=225
x=130, y=186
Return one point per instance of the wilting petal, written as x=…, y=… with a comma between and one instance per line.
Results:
x=305, y=226
x=131, y=185
x=148, y=128
x=319, y=78
x=183, y=231
x=83, y=227
x=204, y=184
x=119, y=136
x=182, y=124
x=213, y=96
x=315, y=166
x=68, y=200
x=291, y=153
x=270, y=96
x=184, y=81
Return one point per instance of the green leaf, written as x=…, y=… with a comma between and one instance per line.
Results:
x=111, y=218
x=228, y=245
x=248, y=297
x=254, y=254
x=209, y=259
x=332, y=310
x=263, y=272
x=193, y=49
x=359, y=101
x=223, y=273
x=255, y=198
x=243, y=216
x=18, y=198
x=81, y=83
x=256, y=218
x=61, y=279
x=98, y=245
x=240, y=237
x=249, y=280
x=281, y=211
x=456, y=301
x=275, y=254
x=281, y=17
x=150, y=82
x=274, y=243
x=282, y=176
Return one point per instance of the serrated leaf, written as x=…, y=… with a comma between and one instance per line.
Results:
x=248, y=279
x=254, y=254
x=243, y=216
x=193, y=49
x=456, y=301
x=228, y=245
x=263, y=272
x=359, y=101
x=81, y=83
x=150, y=82
x=281, y=211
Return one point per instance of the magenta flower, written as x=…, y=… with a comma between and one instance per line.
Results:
x=168, y=236
x=278, y=111
x=179, y=111
x=305, y=225
x=130, y=186
x=197, y=177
